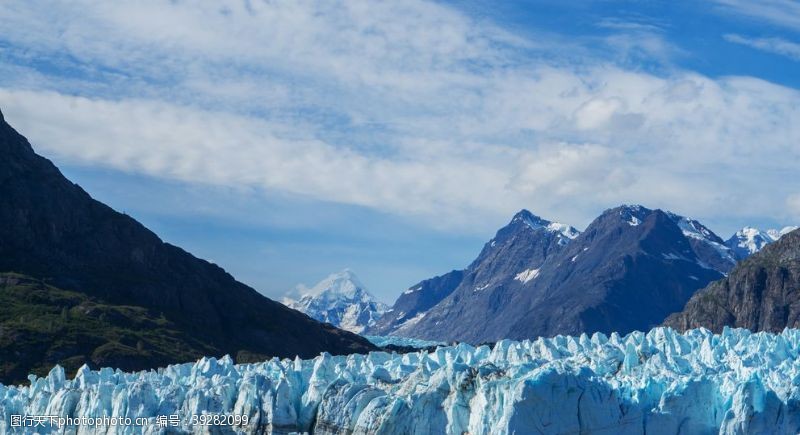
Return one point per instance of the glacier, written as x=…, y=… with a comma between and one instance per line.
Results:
x=660, y=382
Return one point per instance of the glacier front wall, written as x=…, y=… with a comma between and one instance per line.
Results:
x=661, y=382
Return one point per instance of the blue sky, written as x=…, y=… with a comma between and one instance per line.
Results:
x=286, y=140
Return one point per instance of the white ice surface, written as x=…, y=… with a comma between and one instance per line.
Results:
x=661, y=382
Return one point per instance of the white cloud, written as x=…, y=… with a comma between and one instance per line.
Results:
x=597, y=113
x=408, y=107
x=187, y=144
x=783, y=12
x=637, y=26
x=777, y=46
x=572, y=171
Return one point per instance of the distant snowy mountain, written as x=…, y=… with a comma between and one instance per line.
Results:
x=749, y=240
x=341, y=300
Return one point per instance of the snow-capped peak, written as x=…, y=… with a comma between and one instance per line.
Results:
x=536, y=222
x=344, y=284
x=753, y=239
x=341, y=300
x=750, y=240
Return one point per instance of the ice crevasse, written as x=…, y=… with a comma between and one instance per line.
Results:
x=661, y=382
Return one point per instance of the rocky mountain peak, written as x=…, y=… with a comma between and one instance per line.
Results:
x=631, y=214
x=534, y=222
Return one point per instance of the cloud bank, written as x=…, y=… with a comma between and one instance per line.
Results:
x=412, y=108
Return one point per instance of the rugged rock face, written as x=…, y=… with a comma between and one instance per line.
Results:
x=341, y=300
x=513, y=255
x=52, y=229
x=762, y=293
x=631, y=268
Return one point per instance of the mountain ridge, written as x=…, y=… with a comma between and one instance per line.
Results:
x=655, y=260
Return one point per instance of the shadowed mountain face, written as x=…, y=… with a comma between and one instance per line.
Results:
x=415, y=301
x=762, y=293
x=628, y=270
x=51, y=229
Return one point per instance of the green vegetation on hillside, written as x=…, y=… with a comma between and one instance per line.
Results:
x=41, y=326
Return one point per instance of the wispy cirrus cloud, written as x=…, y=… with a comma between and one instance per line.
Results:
x=778, y=46
x=782, y=12
x=412, y=108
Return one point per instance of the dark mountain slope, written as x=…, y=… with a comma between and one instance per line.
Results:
x=419, y=298
x=50, y=228
x=762, y=293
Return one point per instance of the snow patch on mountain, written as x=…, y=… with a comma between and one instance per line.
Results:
x=693, y=229
x=735, y=382
x=341, y=300
x=633, y=214
x=482, y=287
x=412, y=290
x=527, y=275
x=410, y=322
